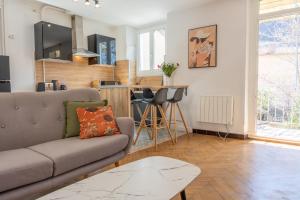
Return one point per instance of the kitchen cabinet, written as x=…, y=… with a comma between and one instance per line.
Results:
x=117, y=97
x=105, y=47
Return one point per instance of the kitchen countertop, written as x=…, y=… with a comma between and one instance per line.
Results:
x=112, y=86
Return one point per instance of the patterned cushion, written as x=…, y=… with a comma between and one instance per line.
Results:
x=97, y=122
x=72, y=123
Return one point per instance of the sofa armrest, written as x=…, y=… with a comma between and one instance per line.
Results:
x=126, y=126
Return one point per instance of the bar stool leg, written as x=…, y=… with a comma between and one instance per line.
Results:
x=174, y=124
x=143, y=122
x=170, y=114
x=165, y=111
x=155, y=125
x=167, y=107
x=149, y=133
x=183, y=120
x=152, y=123
x=166, y=122
x=146, y=126
x=139, y=110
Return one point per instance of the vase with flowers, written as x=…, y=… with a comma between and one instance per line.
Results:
x=168, y=69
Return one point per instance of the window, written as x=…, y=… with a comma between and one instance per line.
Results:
x=152, y=50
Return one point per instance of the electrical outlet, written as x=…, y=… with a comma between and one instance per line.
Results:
x=11, y=36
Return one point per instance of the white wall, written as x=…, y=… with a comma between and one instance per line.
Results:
x=121, y=48
x=252, y=66
x=1, y=28
x=91, y=27
x=131, y=43
x=228, y=78
x=55, y=15
x=127, y=41
x=20, y=17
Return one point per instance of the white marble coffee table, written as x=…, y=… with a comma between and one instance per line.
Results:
x=153, y=178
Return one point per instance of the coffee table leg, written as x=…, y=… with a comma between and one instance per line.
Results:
x=183, y=195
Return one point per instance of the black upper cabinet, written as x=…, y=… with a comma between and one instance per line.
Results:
x=4, y=68
x=105, y=47
x=52, y=41
x=4, y=74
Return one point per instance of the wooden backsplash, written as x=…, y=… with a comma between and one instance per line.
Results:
x=125, y=72
x=75, y=75
x=78, y=74
x=149, y=80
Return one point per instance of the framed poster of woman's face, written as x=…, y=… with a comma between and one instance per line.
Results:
x=203, y=47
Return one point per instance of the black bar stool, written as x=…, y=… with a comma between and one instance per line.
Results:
x=154, y=105
x=147, y=94
x=174, y=102
x=135, y=102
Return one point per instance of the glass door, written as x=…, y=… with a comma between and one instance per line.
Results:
x=278, y=102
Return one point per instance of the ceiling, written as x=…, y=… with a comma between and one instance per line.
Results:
x=135, y=13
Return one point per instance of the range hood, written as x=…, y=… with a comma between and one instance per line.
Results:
x=77, y=35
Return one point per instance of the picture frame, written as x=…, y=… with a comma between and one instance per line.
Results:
x=49, y=86
x=202, y=47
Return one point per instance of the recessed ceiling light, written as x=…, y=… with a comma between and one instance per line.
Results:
x=89, y=2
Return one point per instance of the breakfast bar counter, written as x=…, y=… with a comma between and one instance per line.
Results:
x=118, y=96
x=157, y=86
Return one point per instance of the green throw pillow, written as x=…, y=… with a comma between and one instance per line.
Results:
x=72, y=123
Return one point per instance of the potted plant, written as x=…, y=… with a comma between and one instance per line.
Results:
x=168, y=70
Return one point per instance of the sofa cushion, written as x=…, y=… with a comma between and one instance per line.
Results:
x=73, y=125
x=97, y=122
x=21, y=167
x=71, y=153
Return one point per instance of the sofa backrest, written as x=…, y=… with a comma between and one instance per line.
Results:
x=30, y=118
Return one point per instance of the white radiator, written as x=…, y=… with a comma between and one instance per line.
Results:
x=215, y=109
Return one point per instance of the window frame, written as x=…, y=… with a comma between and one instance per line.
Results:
x=280, y=13
x=152, y=71
x=253, y=58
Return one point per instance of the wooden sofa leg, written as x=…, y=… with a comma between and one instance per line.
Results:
x=85, y=176
x=117, y=164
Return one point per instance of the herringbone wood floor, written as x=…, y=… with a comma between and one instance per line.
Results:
x=236, y=169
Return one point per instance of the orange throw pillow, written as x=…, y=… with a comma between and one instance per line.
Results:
x=97, y=122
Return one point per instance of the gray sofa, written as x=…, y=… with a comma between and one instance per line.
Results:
x=34, y=157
